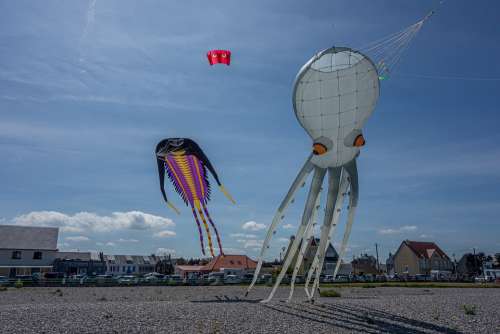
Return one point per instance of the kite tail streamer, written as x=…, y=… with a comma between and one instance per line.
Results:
x=227, y=194
x=199, y=230
x=215, y=228
x=209, y=237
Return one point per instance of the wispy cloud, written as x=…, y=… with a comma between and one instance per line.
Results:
x=243, y=235
x=78, y=238
x=165, y=251
x=253, y=226
x=288, y=226
x=250, y=243
x=399, y=230
x=127, y=240
x=164, y=234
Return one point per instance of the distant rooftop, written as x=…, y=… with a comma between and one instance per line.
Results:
x=425, y=249
x=28, y=237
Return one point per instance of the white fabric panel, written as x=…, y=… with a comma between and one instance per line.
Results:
x=335, y=93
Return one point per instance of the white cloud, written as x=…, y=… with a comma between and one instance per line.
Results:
x=253, y=226
x=127, y=240
x=78, y=238
x=110, y=244
x=283, y=240
x=243, y=235
x=250, y=243
x=88, y=221
x=400, y=230
x=164, y=234
x=288, y=226
x=165, y=251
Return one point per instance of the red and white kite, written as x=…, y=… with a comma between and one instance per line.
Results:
x=219, y=57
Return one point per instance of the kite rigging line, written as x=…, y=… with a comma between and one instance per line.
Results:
x=387, y=51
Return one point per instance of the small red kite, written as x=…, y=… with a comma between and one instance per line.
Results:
x=219, y=57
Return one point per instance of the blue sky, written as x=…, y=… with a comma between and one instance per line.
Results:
x=88, y=89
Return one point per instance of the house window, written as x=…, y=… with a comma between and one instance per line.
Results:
x=37, y=255
x=16, y=255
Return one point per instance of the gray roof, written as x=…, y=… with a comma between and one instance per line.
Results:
x=83, y=256
x=130, y=259
x=28, y=237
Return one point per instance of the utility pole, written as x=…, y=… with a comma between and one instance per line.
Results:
x=376, y=251
x=475, y=260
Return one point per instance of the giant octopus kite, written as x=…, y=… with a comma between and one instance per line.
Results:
x=186, y=166
x=334, y=94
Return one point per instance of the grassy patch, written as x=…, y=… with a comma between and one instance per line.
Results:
x=329, y=293
x=368, y=286
x=469, y=309
x=18, y=284
x=3, y=288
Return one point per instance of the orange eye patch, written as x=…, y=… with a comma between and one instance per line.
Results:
x=359, y=141
x=319, y=149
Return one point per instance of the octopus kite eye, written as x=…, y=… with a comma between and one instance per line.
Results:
x=319, y=149
x=359, y=141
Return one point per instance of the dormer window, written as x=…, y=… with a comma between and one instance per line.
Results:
x=37, y=255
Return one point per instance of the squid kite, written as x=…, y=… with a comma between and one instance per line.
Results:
x=334, y=94
x=186, y=166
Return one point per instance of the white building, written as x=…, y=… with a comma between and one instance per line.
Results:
x=129, y=264
x=25, y=250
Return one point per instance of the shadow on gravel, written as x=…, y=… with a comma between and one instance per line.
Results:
x=226, y=299
x=361, y=319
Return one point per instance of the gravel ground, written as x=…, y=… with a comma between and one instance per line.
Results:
x=225, y=310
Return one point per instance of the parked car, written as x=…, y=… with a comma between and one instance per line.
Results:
x=77, y=279
x=153, y=277
x=422, y=278
x=54, y=275
x=247, y=278
x=176, y=279
x=216, y=278
x=299, y=279
x=4, y=281
x=342, y=278
x=480, y=279
x=232, y=279
x=327, y=279
x=102, y=279
x=128, y=280
x=266, y=278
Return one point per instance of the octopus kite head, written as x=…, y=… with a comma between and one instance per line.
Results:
x=334, y=94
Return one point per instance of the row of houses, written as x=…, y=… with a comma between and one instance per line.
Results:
x=28, y=250
x=414, y=258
